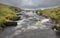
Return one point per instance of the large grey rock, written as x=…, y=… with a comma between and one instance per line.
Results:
x=11, y=23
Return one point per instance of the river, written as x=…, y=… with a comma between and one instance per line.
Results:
x=31, y=25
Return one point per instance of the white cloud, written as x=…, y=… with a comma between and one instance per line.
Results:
x=28, y=3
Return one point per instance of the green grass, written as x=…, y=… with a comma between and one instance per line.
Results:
x=7, y=13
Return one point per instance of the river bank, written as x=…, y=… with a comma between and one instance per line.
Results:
x=7, y=13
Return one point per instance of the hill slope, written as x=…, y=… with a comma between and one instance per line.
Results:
x=7, y=13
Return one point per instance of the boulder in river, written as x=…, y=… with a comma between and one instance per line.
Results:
x=56, y=29
x=11, y=23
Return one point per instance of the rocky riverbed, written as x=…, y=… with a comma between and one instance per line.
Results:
x=31, y=25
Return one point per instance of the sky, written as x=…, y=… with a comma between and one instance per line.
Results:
x=32, y=4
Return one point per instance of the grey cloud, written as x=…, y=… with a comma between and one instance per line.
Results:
x=35, y=3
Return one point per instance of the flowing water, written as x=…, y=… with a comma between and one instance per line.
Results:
x=31, y=25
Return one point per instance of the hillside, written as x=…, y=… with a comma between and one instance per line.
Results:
x=7, y=13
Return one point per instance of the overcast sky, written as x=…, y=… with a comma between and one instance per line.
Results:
x=32, y=4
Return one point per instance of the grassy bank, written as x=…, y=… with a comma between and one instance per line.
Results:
x=53, y=13
x=7, y=13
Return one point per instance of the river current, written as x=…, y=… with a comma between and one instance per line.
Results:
x=31, y=25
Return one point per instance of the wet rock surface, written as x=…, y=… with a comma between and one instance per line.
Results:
x=10, y=23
